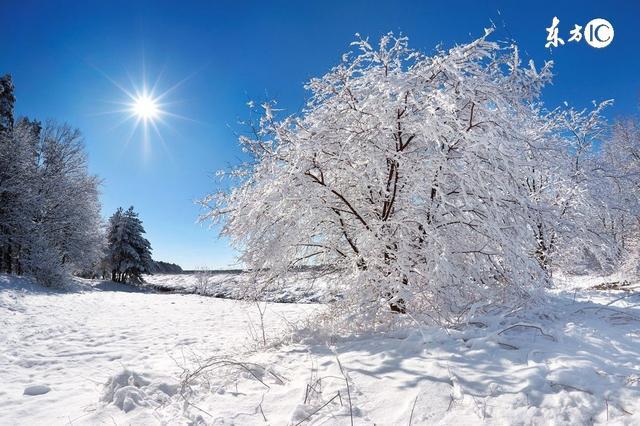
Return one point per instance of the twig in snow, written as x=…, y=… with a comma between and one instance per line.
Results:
x=257, y=333
x=451, y=401
x=455, y=389
x=529, y=326
x=481, y=407
x=346, y=379
x=508, y=346
x=216, y=363
x=306, y=394
x=625, y=412
x=620, y=298
x=628, y=413
x=261, y=411
x=189, y=403
x=321, y=407
x=413, y=407
x=605, y=308
x=562, y=385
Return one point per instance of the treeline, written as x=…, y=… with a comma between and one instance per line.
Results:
x=160, y=267
x=49, y=209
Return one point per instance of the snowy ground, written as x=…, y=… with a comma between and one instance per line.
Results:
x=73, y=342
x=102, y=355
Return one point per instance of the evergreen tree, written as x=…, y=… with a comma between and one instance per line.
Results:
x=7, y=100
x=7, y=172
x=129, y=253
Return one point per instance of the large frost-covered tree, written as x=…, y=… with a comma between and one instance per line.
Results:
x=68, y=214
x=128, y=252
x=49, y=210
x=413, y=176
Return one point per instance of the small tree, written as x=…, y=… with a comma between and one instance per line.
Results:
x=129, y=253
x=203, y=278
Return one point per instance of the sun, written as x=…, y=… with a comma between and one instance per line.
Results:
x=145, y=107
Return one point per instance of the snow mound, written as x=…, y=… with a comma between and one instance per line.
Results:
x=128, y=390
x=36, y=390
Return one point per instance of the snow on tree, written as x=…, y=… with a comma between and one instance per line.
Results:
x=69, y=210
x=129, y=253
x=618, y=168
x=7, y=177
x=7, y=100
x=50, y=222
x=561, y=182
x=411, y=176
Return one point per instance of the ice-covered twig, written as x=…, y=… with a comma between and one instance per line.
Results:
x=413, y=407
x=320, y=408
x=605, y=308
x=562, y=385
x=529, y=326
x=346, y=380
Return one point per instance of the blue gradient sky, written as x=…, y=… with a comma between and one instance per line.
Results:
x=59, y=51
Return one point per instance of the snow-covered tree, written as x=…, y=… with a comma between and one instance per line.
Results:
x=405, y=172
x=129, y=253
x=7, y=176
x=7, y=101
x=432, y=184
x=562, y=182
x=49, y=211
x=618, y=167
x=70, y=209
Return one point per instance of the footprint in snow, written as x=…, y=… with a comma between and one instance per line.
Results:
x=36, y=390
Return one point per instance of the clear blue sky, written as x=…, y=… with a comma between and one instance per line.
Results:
x=57, y=52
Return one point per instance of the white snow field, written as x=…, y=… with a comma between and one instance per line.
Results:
x=58, y=349
x=99, y=354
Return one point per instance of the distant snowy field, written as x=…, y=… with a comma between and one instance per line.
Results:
x=103, y=354
x=306, y=288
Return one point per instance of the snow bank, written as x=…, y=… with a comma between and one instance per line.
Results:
x=128, y=390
